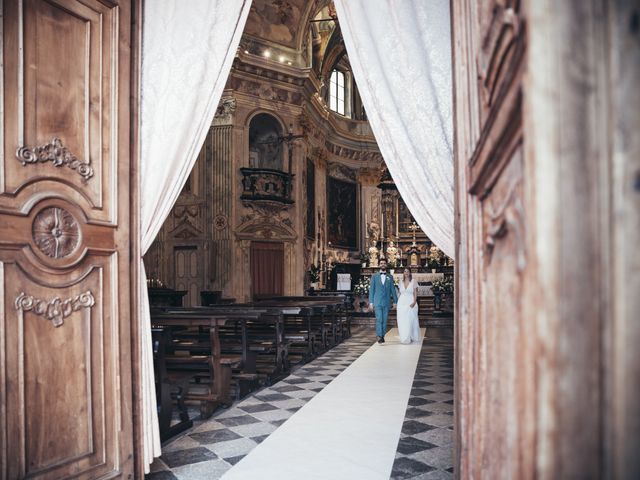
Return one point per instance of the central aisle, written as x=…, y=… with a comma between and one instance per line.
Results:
x=350, y=430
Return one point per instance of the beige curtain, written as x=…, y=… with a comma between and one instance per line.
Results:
x=187, y=52
x=400, y=52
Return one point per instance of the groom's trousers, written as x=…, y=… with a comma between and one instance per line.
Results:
x=382, y=313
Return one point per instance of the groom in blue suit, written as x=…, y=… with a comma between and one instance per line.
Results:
x=381, y=292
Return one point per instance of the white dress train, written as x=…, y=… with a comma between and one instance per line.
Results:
x=408, y=325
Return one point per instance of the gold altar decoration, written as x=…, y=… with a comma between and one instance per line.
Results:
x=373, y=254
x=392, y=252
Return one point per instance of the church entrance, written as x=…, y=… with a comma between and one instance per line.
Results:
x=267, y=269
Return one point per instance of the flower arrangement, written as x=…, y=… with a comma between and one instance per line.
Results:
x=442, y=286
x=362, y=287
x=314, y=273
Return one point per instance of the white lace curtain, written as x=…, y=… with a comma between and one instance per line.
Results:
x=187, y=52
x=400, y=53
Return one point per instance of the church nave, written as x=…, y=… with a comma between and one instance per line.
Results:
x=418, y=446
x=246, y=239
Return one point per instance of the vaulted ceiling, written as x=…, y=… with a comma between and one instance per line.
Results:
x=282, y=22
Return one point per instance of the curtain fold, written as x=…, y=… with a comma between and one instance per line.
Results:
x=187, y=52
x=400, y=53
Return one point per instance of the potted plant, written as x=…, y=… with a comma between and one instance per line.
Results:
x=440, y=289
x=314, y=276
x=364, y=258
x=361, y=291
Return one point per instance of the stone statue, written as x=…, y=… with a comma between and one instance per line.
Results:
x=373, y=254
x=373, y=229
x=392, y=252
x=435, y=256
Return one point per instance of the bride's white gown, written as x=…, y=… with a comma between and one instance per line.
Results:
x=408, y=326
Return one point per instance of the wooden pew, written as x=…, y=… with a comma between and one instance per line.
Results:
x=334, y=318
x=341, y=304
x=257, y=334
x=262, y=331
x=304, y=340
x=181, y=369
x=209, y=362
x=167, y=388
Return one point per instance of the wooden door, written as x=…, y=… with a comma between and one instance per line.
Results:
x=546, y=202
x=188, y=275
x=65, y=321
x=267, y=268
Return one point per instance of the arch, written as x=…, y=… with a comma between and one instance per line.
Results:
x=310, y=13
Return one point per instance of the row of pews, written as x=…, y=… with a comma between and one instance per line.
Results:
x=216, y=354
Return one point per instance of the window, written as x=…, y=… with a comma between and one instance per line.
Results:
x=336, y=92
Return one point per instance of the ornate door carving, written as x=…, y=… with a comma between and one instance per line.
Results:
x=547, y=204
x=495, y=397
x=65, y=306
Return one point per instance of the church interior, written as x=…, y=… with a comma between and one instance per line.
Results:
x=290, y=178
x=290, y=203
x=323, y=239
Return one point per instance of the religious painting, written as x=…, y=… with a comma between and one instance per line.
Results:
x=342, y=208
x=405, y=219
x=311, y=200
x=265, y=147
x=278, y=20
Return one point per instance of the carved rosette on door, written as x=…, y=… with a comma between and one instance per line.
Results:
x=56, y=232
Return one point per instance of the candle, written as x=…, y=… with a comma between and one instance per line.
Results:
x=366, y=229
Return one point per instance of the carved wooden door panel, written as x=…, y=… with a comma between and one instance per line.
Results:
x=65, y=356
x=547, y=203
x=494, y=390
x=187, y=268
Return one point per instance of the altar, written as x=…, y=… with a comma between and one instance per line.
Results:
x=424, y=279
x=421, y=278
x=424, y=290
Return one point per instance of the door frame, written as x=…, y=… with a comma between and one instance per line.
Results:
x=136, y=234
x=581, y=171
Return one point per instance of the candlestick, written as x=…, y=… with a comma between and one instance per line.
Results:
x=382, y=226
x=366, y=227
x=397, y=229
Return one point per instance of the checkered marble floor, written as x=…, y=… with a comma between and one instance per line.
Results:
x=425, y=448
x=214, y=445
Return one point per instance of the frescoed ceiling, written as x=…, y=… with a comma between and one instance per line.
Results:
x=282, y=22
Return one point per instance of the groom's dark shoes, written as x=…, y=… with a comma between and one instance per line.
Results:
x=381, y=339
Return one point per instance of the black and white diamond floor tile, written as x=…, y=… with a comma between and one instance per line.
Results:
x=424, y=450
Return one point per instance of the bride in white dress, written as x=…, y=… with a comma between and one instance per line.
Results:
x=407, y=309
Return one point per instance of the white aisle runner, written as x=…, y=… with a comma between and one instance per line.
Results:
x=350, y=430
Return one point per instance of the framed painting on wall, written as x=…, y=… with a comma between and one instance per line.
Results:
x=311, y=200
x=342, y=213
